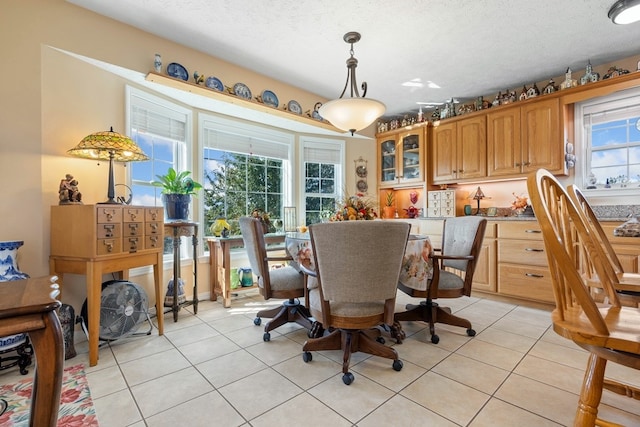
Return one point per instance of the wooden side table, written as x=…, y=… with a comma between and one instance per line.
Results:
x=29, y=305
x=93, y=240
x=177, y=229
x=220, y=263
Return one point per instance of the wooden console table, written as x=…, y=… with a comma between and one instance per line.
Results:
x=176, y=229
x=93, y=240
x=29, y=305
x=220, y=263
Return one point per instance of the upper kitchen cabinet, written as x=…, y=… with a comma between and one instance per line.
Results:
x=525, y=138
x=459, y=150
x=401, y=158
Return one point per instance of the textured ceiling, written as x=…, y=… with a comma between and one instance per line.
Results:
x=467, y=47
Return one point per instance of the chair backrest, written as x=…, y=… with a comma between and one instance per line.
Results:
x=581, y=201
x=253, y=239
x=359, y=262
x=567, y=237
x=462, y=237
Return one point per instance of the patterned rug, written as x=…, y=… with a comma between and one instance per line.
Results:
x=76, y=406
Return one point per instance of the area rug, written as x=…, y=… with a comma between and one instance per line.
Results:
x=76, y=406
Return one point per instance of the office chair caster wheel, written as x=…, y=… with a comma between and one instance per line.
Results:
x=397, y=365
x=257, y=321
x=347, y=378
x=266, y=337
x=435, y=339
x=307, y=357
x=471, y=332
x=380, y=340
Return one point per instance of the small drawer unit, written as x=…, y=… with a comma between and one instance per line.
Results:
x=441, y=204
x=104, y=230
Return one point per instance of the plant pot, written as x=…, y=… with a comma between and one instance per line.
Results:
x=177, y=206
x=389, y=211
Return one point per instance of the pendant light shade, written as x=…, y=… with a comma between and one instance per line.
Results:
x=625, y=11
x=354, y=113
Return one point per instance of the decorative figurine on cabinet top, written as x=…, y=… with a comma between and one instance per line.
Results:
x=568, y=81
x=533, y=91
x=198, y=78
x=523, y=95
x=614, y=72
x=69, y=193
x=550, y=87
x=589, y=75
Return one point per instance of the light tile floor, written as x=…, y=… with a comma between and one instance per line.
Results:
x=214, y=369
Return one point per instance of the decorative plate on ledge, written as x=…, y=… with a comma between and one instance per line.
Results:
x=269, y=98
x=214, y=83
x=177, y=71
x=294, y=107
x=242, y=90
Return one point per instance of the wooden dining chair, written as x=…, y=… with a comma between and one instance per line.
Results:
x=609, y=332
x=286, y=282
x=626, y=283
x=453, y=269
x=357, y=267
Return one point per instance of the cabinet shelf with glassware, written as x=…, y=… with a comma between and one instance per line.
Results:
x=401, y=157
x=458, y=150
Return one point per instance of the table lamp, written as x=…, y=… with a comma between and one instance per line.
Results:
x=112, y=146
x=479, y=195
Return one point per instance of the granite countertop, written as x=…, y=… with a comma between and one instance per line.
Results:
x=613, y=213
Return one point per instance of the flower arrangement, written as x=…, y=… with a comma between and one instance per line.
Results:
x=355, y=208
x=264, y=219
x=519, y=203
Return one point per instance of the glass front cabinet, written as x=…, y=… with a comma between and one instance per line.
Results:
x=401, y=157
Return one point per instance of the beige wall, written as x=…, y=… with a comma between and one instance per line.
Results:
x=50, y=101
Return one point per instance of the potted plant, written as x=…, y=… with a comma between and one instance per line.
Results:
x=177, y=189
x=389, y=209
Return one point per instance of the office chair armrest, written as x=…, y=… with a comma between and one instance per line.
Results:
x=279, y=258
x=460, y=257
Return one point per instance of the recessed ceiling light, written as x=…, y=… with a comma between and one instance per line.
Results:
x=625, y=11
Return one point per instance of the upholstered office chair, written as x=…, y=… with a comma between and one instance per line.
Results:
x=286, y=282
x=627, y=284
x=608, y=331
x=453, y=270
x=357, y=269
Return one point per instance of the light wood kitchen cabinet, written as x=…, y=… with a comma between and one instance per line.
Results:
x=458, y=151
x=484, y=278
x=401, y=158
x=525, y=138
x=522, y=261
x=627, y=248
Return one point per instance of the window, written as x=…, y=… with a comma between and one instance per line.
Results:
x=245, y=167
x=610, y=130
x=322, y=165
x=162, y=130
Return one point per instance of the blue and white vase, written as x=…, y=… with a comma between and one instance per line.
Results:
x=9, y=271
x=8, y=261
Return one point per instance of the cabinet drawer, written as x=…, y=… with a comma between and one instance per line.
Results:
x=153, y=242
x=133, y=243
x=153, y=214
x=529, y=230
x=109, y=246
x=132, y=214
x=528, y=252
x=153, y=228
x=108, y=231
x=107, y=214
x=526, y=282
x=133, y=229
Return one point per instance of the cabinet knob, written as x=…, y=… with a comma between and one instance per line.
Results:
x=527, y=163
x=537, y=276
x=109, y=246
x=517, y=164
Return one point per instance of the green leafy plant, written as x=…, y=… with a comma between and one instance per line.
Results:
x=389, y=199
x=177, y=183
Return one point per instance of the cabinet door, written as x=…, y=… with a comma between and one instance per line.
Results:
x=443, y=154
x=471, y=148
x=504, y=154
x=542, y=146
x=388, y=164
x=412, y=151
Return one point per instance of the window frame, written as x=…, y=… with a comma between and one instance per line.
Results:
x=628, y=97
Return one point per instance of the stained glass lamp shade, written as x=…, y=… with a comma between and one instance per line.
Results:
x=112, y=146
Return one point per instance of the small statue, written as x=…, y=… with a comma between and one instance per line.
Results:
x=69, y=193
x=568, y=82
x=199, y=78
x=589, y=75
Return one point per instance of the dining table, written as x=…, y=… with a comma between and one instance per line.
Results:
x=416, y=271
